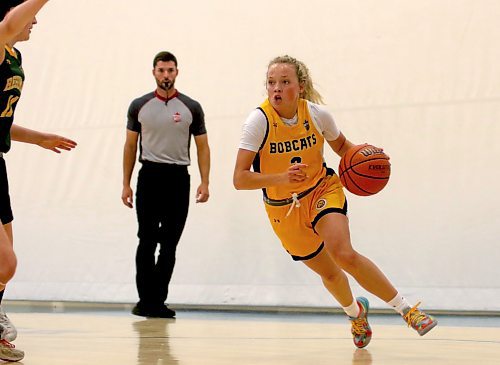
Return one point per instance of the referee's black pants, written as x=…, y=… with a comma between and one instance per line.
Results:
x=162, y=202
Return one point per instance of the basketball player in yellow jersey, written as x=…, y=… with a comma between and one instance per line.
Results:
x=283, y=140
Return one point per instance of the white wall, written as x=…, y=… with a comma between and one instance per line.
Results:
x=419, y=78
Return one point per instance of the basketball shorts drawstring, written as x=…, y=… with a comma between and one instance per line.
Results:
x=295, y=203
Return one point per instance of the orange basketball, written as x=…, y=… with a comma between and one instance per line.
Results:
x=364, y=169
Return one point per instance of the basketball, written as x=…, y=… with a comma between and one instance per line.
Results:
x=364, y=169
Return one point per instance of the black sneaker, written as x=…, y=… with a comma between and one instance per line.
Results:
x=158, y=312
x=139, y=311
x=163, y=312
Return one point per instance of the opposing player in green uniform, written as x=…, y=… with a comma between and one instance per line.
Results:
x=17, y=18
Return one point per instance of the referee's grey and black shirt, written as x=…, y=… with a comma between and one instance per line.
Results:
x=165, y=126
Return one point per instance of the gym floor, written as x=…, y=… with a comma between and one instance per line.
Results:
x=62, y=334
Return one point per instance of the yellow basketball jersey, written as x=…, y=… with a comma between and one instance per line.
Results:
x=285, y=145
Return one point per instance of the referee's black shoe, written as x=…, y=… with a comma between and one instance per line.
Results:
x=158, y=312
x=164, y=312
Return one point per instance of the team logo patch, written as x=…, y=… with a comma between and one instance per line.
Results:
x=177, y=117
x=320, y=204
x=306, y=125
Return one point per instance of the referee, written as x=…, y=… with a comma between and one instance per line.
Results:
x=161, y=124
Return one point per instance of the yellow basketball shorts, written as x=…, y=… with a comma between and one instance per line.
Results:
x=296, y=230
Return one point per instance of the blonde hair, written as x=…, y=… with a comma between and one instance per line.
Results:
x=309, y=93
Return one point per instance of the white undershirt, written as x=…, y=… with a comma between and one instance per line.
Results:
x=254, y=128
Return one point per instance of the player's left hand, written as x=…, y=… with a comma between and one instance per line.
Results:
x=57, y=143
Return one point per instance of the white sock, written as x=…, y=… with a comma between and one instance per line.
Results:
x=352, y=310
x=399, y=303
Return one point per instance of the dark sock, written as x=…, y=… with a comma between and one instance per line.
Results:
x=1, y=295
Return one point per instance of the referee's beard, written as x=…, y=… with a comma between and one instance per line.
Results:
x=166, y=85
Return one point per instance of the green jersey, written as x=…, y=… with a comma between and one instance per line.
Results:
x=11, y=83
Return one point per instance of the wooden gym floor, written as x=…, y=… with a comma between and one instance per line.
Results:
x=56, y=335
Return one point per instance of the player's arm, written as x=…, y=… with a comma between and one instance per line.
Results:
x=340, y=145
x=203, y=153
x=15, y=21
x=129, y=156
x=254, y=131
x=326, y=124
x=48, y=141
x=245, y=179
